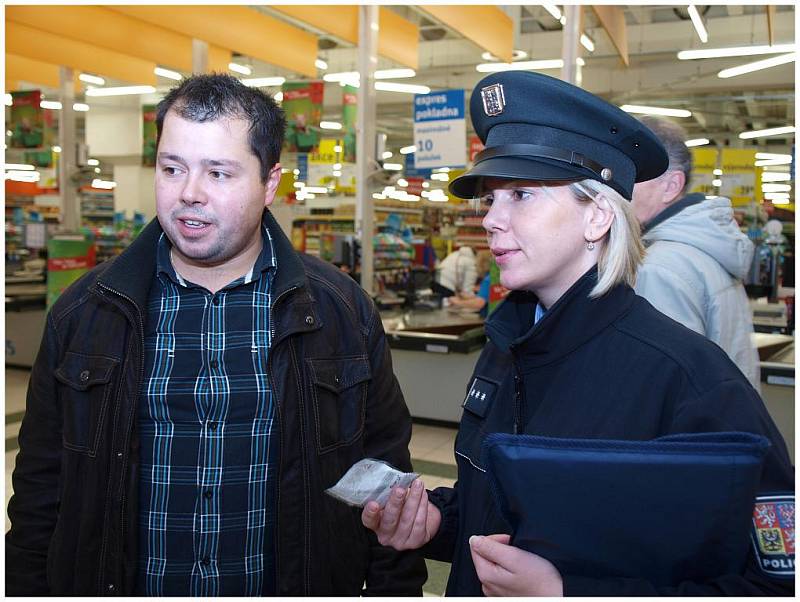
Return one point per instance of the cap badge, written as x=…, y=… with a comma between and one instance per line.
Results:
x=494, y=101
x=606, y=174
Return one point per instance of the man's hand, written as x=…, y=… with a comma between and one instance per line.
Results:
x=504, y=570
x=407, y=522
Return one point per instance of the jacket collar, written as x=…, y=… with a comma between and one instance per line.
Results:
x=131, y=273
x=569, y=323
x=675, y=209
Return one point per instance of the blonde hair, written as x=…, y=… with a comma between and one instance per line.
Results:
x=623, y=251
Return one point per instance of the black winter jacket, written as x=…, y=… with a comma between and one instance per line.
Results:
x=74, y=510
x=606, y=368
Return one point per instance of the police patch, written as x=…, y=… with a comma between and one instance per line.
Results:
x=773, y=534
x=480, y=396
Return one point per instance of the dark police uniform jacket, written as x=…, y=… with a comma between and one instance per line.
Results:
x=74, y=510
x=611, y=368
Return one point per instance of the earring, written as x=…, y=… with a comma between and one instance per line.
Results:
x=589, y=245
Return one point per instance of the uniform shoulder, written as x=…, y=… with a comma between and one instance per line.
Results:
x=703, y=363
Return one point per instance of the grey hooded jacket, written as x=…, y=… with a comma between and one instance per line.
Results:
x=696, y=260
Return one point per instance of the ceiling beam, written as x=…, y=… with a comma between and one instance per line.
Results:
x=238, y=28
x=487, y=26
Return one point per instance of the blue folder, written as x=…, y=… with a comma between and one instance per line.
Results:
x=668, y=510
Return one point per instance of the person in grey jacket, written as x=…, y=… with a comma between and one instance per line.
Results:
x=696, y=255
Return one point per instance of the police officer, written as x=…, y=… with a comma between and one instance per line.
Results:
x=572, y=351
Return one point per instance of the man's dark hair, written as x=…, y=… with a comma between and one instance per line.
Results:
x=209, y=97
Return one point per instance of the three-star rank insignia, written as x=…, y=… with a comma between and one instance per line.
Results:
x=773, y=534
x=480, y=396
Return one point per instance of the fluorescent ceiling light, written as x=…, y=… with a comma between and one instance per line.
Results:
x=168, y=73
x=237, y=68
x=408, y=88
x=93, y=162
x=50, y=104
x=776, y=176
x=9, y=99
x=19, y=167
x=386, y=154
x=776, y=187
x=106, y=184
x=716, y=53
x=697, y=21
x=776, y=195
x=781, y=201
x=407, y=150
x=337, y=148
x=402, y=182
x=337, y=173
x=120, y=91
x=768, y=132
x=260, y=82
x=516, y=55
x=81, y=107
x=392, y=166
x=758, y=65
x=56, y=149
x=92, y=79
x=23, y=176
x=348, y=76
x=717, y=182
x=773, y=156
x=554, y=11
x=330, y=125
x=717, y=172
x=656, y=111
x=772, y=162
x=299, y=184
x=296, y=172
x=443, y=177
x=320, y=64
x=587, y=43
x=524, y=65
x=315, y=190
x=697, y=142
x=278, y=97
x=337, y=166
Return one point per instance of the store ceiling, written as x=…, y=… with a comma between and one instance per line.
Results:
x=722, y=108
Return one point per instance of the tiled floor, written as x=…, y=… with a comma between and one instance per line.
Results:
x=431, y=453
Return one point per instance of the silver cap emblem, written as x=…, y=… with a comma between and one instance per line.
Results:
x=606, y=174
x=494, y=101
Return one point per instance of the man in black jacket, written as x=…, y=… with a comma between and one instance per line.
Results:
x=193, y=398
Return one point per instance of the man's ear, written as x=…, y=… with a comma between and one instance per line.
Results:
x=674, y=182
x=273, y=179
x=599, y=217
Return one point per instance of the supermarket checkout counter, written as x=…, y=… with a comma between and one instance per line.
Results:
x=26, y=301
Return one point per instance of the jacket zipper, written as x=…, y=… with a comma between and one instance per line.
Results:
x=280, y=434
x=123, y=500
x=519, y=389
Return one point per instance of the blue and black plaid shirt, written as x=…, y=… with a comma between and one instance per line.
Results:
x=205, y=419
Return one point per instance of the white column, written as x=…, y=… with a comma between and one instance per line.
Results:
x=70, y=208
x=365, y=138
x=571, y=71
x=199, y=56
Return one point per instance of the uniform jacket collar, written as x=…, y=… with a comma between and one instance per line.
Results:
x=569, y=323
x=131, y=273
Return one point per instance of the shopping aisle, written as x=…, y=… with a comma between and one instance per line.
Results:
x=431, y=453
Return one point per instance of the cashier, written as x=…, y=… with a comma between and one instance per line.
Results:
x=573, y=352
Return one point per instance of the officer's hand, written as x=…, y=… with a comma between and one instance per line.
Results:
x=504, y=570
x=408, y=520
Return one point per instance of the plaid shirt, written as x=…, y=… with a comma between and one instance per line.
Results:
x=205, y=419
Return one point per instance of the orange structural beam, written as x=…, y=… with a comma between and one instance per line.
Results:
x=487, y=26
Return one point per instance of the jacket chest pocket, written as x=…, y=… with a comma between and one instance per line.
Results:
x=85, y=393
x=472, y=430
x=339, y=390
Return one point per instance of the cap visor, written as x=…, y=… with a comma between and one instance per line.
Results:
x=511, y=168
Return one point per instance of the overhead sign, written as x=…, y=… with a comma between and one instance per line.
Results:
x=440, y=130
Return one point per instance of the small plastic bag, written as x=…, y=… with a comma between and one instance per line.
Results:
x=369, y=480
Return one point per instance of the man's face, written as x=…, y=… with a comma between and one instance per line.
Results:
x=209, y=193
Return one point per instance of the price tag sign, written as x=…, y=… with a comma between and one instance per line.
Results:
x=440, y=130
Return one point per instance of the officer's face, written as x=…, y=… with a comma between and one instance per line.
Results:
x=209, y=194
x=537, y=236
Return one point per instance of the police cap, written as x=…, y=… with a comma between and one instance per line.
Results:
x=536, y=127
